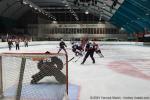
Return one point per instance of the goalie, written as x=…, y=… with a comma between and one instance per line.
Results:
x=50, y=67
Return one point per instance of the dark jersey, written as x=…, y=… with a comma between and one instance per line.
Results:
x=50, y=63
x=10, y=43
x=74, y=46
x=90, y=47
x=62, y=44
x=80, y=48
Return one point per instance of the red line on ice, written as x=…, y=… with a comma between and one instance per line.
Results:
x=126, y=68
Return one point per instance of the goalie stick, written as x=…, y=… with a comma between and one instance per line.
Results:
x=67, y=61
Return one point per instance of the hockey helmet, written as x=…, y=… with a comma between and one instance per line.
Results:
x=90, y=42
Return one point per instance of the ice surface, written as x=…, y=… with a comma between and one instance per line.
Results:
x=123, y=72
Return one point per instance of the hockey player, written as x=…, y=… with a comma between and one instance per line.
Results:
x=62, y=45
x=74, y=47
x=50, y=67
x=90, y=49
x=26, y=43
x=17, y=44
x=10, y=43
x=77, y=49
x=97, y=49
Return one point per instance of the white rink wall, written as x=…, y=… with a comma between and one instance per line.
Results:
x=4, y=44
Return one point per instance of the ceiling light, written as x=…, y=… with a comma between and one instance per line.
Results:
x=87, y=12
x=30, y=6
x=35, y=8
x=24, y=2
x=54, y=22
x=122, y=29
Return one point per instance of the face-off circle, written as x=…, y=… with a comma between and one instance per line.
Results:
x=135, y=68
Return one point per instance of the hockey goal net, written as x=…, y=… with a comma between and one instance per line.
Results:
x=33, y=76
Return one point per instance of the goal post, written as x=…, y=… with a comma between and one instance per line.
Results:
x=33, y=76
x=21, y=74
x=1, y=78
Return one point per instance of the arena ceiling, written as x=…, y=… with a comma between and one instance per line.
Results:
x=132, y=15
x=75, y=9
x=97, y=8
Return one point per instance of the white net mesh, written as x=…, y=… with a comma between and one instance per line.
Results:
x=34, y=76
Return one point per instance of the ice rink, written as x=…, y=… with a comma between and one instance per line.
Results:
x=123, y=73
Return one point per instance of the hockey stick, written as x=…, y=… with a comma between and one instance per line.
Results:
x=66, y=48
x=70, y=60
x=101, y=55
x=78, y=58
